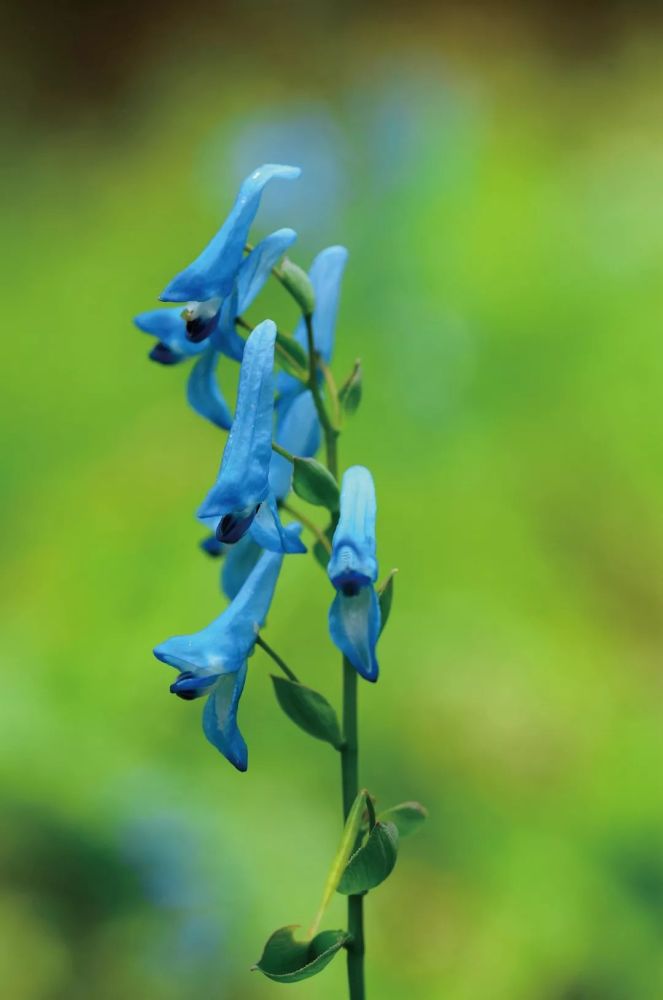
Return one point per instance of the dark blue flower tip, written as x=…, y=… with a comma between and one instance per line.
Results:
x=212, y=546
x=234, y=525
x=188, y=686
x=199, y=328
x=163, y=355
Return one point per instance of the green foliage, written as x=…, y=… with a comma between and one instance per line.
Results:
x=286, y=960
x=372, y=863
x=298, y=284
x=309, y=710
x=406, y=817
x=314, y=483
x=320, y=552
x=291, y=355
x=349, y=395
x=386, y=597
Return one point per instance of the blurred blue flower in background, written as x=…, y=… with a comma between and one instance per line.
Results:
x=305, y=133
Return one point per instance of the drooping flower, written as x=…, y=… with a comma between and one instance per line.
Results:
x=212, y=274
x=241, y=499
x=213, y=662
x=221, y=337
x=354, y=616
x=325, y=273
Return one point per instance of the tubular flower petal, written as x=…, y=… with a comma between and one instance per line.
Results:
x=204, y=659
x=354, y=617
x=354, y=626
x=234, y=504
x=204, y=394
x=253, y=272
x=223, y=645
x=238, y=562
x=220, y=719
x=298, y=431
x=326, y=273
x=213, y=272
x=270, y=534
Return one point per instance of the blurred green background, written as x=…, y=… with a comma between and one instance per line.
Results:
x=496, y=174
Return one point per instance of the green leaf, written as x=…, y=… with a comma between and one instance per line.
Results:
x=291, y=355
x=407, y=817
x=286, y=960
x=385, y=597
x=314, y=483
x=373, y=862
x=298, y=283
x=319, y=550
x=308, y=710
x=349, y=395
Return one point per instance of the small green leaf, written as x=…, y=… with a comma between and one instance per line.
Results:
x=407, y=817
x=291, y=354
x=385, y=597
x=314, y=483
x=349, y=395
x=286, y=960
x=373, y=862
x=308, y=710
x=319, y=550
x=298, y=283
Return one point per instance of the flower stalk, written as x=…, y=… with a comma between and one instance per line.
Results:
x=279, y=424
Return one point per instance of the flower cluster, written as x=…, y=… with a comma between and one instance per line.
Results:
x=277, y=426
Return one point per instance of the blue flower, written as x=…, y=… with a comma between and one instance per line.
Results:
x=241, y=499
x=238, y=559
x=212, y=274
x=326, y=273
x=354, y=617
x=213, y=662
x=174, y=340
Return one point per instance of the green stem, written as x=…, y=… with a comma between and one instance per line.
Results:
x=313, y=528
x=330, y=432
x=283, y=451
x=277, y=659
x=350, y=784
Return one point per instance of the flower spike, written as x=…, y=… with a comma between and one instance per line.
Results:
x=213, y=272
x=354, y=617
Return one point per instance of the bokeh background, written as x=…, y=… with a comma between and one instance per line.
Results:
x=496, y=174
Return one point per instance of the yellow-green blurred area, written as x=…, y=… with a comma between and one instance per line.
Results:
x=496, y=175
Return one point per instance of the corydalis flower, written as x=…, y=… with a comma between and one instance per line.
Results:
x=212, y=273
x=354, y=617
x=175, y=344
x=213, y=662
x=242, y=500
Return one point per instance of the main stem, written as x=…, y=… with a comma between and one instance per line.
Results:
x=350, y=784
x=350, y=750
